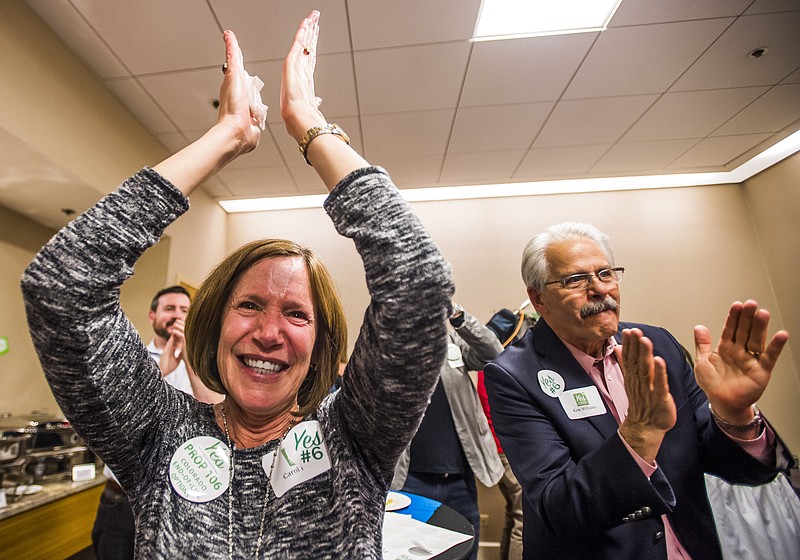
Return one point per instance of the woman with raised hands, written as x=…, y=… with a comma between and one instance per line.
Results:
x=281, y=468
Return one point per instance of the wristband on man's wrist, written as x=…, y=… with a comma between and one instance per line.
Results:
x=457, y=317
x=756, y=422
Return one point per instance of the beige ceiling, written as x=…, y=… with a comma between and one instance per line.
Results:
x=669, y=87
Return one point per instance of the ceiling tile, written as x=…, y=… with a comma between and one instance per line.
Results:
x=410, y=78
x=640, y=12
x=186, y=96
x=793, y=78
x=255, y=181
x=497, y=127
x=266, y=153
x=173, y=141
x=633, y=60
x=78, y=36
x=523, y=70
x=136, y=99
x=352, y=125
x=179, y=33
x=773, y=111
x=266, y=29
x=413, y=133
x=766, y=6
x=413, y=171
x=478, y=167
x=561, y=162
x=308, y=182
x=592, y=121
x=713, y=152
x=646, y=157
x=335, y=83
x=304, y=176
x=410, y=22
x=215, y=188
x=728, y=64
x=693, y=114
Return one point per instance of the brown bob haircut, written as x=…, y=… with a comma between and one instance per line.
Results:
x=204, y=322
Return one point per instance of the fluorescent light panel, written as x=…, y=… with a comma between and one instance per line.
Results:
x=765, y=159
x=510, y=19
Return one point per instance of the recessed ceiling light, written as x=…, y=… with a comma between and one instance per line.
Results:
x=510, y=19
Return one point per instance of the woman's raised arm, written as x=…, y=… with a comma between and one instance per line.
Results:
x=331, y=157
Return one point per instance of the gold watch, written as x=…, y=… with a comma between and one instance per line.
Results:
x=329, y=128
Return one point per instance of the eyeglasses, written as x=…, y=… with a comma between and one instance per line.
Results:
x=584, y=280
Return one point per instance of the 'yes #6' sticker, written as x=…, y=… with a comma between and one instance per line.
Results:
x=551, y=382
x=302, y=456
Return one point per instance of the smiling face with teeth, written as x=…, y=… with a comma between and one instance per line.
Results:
x=267, y=337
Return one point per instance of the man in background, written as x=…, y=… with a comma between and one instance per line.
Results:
x=114, y=529
x=453, y=445
x=168, y=311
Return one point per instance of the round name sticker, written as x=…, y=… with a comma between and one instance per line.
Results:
x=200, y=469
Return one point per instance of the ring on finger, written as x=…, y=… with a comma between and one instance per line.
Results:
x=225, y=68
x=756, y=355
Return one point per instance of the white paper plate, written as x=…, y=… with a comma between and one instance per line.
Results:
x=23, y=490
x=395, y=501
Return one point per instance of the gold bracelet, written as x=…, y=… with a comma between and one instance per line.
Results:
x=329, y=128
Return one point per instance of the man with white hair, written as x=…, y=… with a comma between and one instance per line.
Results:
x=605, y=424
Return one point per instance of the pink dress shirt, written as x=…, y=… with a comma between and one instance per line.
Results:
x=611, y=384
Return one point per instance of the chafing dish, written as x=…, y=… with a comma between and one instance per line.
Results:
x=12, y=451
x=46, y=432
x=12, y=447
x=38, y=448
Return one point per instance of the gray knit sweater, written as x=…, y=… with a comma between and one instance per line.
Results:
x=110, y=389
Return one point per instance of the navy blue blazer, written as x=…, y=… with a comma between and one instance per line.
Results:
x=584, y=495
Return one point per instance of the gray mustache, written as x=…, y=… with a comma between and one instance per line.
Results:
x=595, y=307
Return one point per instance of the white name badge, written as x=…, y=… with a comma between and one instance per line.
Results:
x=454, y=355
x=200, y=469
x=551, y=382
x=582, y=402
x=302, y=456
